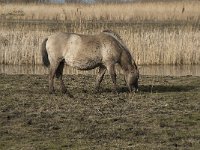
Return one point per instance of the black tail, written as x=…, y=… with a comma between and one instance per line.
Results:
x=45, y=58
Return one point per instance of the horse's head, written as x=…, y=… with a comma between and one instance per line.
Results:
x=132, y=80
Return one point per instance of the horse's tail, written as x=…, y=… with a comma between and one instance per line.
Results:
x=44, y=53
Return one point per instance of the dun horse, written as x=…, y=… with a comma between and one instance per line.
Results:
x=86, y=52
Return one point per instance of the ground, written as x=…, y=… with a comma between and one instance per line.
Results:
x=164, y=114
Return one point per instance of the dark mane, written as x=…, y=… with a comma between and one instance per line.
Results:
x=113, y=33
x=116, y=36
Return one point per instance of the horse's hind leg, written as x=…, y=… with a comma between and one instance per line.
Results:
x=59, y=74
x=99, y=78
x=52, y=71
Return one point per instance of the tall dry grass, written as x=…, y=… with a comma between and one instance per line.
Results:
x=21, y=48
x=148, y=45
x=165, y=46
x=146, y=11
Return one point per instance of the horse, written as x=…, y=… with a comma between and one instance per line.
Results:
x=86, y=52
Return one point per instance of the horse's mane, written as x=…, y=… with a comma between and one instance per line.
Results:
x=117, y=37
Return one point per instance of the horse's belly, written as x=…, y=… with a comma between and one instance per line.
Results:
x=82, y=56
x=84, y=64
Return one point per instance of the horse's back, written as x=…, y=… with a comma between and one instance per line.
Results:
x=84, y=51
x=80, y=51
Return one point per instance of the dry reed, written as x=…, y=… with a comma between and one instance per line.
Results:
x=151, y=11
x=148, y=45
x=151, y=45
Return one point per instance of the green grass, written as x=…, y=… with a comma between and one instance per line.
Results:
x=163, y=115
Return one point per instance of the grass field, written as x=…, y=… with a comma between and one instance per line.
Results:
x=163, y=115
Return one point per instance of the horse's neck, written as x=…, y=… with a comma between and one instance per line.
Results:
x=127, y=68
x=127, y=64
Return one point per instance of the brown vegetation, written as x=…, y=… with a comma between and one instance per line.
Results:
x=146, y=11
x=148, y=45
x=155, y=32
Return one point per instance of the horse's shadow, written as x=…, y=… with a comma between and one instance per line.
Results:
x=165, y=88
x=155, y=88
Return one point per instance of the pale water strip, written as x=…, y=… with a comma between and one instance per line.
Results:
x=160, y=70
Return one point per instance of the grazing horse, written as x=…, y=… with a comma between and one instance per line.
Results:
x=86, y=52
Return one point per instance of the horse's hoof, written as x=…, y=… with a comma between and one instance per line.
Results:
x=70, y=95
x=115, y=92
x=136, y=91
x=84, y=91
x=51, y=92
x=97, y=90
x=64, y=91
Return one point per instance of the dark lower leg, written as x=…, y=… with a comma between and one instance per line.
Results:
x=62, y=85
x=111, y=70
x=51, y=81
x=59, y=74
x=130, y=88
x=113, y=77
x=99, y=77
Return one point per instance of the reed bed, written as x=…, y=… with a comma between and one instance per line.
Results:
x=127, y=12
x=148, y=45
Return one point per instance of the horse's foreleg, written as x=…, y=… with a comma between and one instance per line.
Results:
x=130, y=88
x=111, y=71
x=100, y=75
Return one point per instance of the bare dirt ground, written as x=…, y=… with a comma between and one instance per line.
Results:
x=164, y=114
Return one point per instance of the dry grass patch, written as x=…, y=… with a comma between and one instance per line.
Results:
x=146, y=11
x=148, y=45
